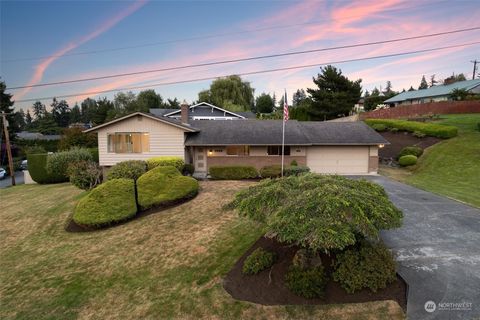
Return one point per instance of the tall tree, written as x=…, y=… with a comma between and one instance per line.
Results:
x=88, y=109
x=149, y=99
x=75, y=114
x=20, y=119
x=6, y=105
x=336, y=94
x=28, y=119
x=433, y=81
x=125, y=103
x=264, y=103
x=105, y=110
x=298, y=97
x=411, y=89
x=388, y=88
x=423, y=83
x=61, y=112
x=173, y=104
x=367, y=94
x=39, y=110
x=375, y=92
x=230, y=93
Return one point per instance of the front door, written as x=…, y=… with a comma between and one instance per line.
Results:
x=200, y=159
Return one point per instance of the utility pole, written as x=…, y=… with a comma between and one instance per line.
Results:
x=474, y=67
x=7, y=145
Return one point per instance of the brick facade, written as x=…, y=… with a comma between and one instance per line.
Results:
x=414, y=110
x=256, y=161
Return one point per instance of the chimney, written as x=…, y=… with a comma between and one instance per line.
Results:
x=184, y=112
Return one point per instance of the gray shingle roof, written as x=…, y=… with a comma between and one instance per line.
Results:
x=434, y=91
x=269, y=132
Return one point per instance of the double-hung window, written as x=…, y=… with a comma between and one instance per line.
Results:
x=128, y=142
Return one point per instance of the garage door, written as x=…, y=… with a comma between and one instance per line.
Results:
x=341, y=160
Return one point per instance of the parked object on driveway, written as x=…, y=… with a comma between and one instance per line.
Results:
x=24, y=165
x=3, y=173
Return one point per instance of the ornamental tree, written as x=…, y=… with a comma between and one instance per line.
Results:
x=318, y=211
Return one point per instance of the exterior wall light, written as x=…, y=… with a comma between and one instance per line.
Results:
x=381, y=145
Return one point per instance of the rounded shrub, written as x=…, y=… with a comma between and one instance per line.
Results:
x=273, y=171
x=110, y=202
x=318, y=211
x=131, y=169
x=364, y=266
x=412, y=150
x=57, y=163
x=164, y=185
x=232, y=172
x=294, y=163
x=408, y=160
x=259, y=260
x=308, y=283
x=37, y=167
x=176, y=162
x=85, y=175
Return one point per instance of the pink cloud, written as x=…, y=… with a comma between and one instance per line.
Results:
x=107, y=25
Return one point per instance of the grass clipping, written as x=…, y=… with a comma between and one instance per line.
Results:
x=318, y=211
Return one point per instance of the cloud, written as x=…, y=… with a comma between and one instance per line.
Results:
x=105, y=26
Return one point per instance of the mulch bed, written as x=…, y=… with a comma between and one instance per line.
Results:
x=399, y=140
x=268, y=287
x=71, y=226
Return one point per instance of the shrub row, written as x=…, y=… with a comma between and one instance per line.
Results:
x=57, y=163
x=232, y=172
x=429, y=129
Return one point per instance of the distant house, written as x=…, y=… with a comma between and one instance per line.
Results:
x=434, y=94
x=204, y=111
x=326, y=147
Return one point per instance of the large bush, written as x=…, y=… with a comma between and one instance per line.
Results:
x=176, y=162
x=85, y=175
x=408, y=160
x=259, y=260
x=232, y=172
x=412, y=150
x=306, y=282
x=430, y=129
x=364, y=266
x=75, y=137
x=164, y=185
x=57, y=163
x=37, y=167
x=131, y=169
x=318, y=211
x=273, y=171
x=110, y=202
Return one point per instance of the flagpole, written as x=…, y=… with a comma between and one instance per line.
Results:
x=283, y=130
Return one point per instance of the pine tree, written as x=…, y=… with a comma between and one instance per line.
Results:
x=6, y=105
x=423, y=83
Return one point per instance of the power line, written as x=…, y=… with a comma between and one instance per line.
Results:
x=212, y=36
x=255, y=72
x=277, y=55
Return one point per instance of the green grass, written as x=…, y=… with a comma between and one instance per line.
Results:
x=452, y=167
x=162, y=266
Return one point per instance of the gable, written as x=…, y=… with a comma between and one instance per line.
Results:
x=205, y=110
x=140, y=123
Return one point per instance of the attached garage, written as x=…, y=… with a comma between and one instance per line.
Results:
x=338, y=159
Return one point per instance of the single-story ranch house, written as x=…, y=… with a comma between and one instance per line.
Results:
x=325, y=147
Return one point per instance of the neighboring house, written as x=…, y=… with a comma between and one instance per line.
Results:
x=359, y=106
x=434, y=94
x=204, y=111
x=326, y=147
x=26, y=135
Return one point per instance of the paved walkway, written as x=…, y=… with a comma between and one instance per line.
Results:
x=438, y=251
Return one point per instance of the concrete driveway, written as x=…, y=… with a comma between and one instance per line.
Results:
x=7, y=181
x=438, y=252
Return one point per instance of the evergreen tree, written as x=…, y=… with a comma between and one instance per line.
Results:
x=173, y=104
x=61, y=113
x=39, y=110
x=105, y=110
x=20, y=119
x=375, y=92
x=149, y=99
x=298, y=97
x=388, y=88
x=335, y=95
x=264, y=103
x=6, y=105
x=28, y=119
x=411, y=89
x=75, y=114
x=367, y=94
x=432, y=80
x=88, y=108
x=423, y=84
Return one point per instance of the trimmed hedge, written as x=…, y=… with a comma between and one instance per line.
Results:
x=57, y=163
x=412, y=150
x=232, y=172
x=273, y=171
x=164, y=185
x=130, y=169
x=364, y=266
x=37, y=167
x=110, y=202
x=408, y=160
x=430, y=129
x=379, y=127
x=259, y=260
x=176, y=162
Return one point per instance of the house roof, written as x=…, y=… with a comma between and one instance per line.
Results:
x=434, y=91
x=269, y=132
x=165, y=120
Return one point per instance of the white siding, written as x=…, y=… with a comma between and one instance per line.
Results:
x=339, y=160
x=165, y=140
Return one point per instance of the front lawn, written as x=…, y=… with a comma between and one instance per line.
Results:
x=451, y=167
x=165, y=265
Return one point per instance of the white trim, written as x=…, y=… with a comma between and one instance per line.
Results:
x=140, y=114
x=207, y=104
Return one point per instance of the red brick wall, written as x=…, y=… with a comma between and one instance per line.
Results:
x=256, y=161
x=414, y=110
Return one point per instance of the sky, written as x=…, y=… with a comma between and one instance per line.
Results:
x=50, y=41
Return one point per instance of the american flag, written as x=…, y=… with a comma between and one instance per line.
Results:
x=285, y=108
